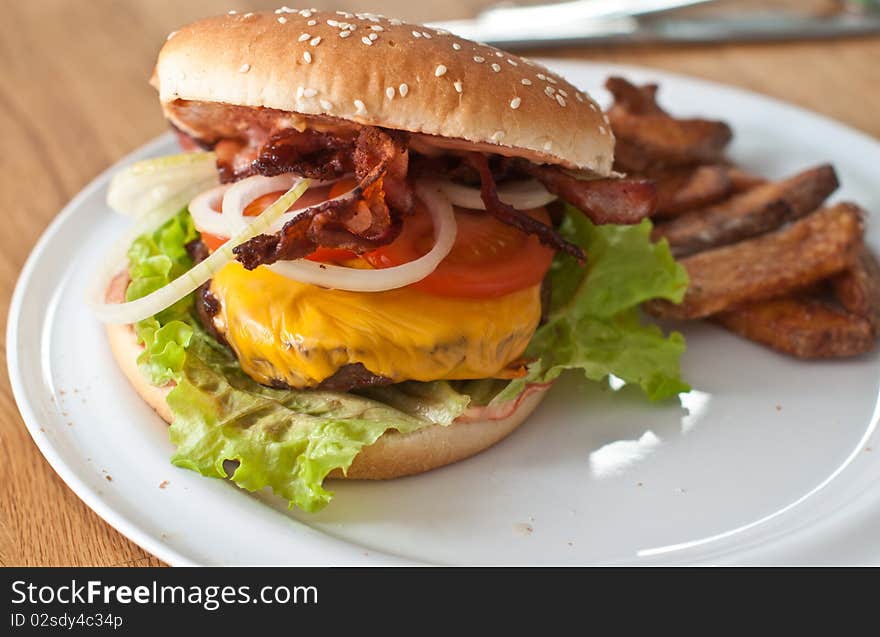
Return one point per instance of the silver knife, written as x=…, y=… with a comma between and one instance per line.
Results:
x=599, y=22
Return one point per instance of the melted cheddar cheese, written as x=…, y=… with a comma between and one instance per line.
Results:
x=301, y=334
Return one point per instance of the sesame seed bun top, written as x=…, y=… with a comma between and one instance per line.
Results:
x=381, y=72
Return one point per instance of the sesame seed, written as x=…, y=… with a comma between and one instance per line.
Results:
x=551, y=80
x=440, y=71
x=458, y=86
x=548, y=145
x=306, y=13
x=497, y=135
x=560, y=99
x=310, y=92
x=515, y=102
x=605, y=119
x=299, y=92
x=456, y=46
x=244, y=68
x=526, y=81
x=249, y=14
x=389, y=92
x=563, y=93
x=282, y=19
x=512, y=62
x=345, y=14
x=496, y=68
x=593, y=106
x=395, y=22
x=602, y=130
x=541, y=76
x=367, y=41
x=171, y=35
x=344, y=34
x=373, y=36
x=307, y=57
x=326, y=105
x=478, y=59
x=333, y=23
x=416, y=34
x=312, y=23
x=232, y=12
x=426, y=35
x=304, y=36
x=359, y=105
x=403, y=89
x=376, y=27
x=549, y=90
x=285, y=9
x=579, y=97
x=315, y=41
x=499, y=54
x=441, y=31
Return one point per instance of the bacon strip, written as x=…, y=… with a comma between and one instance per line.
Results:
x=360, y=221
x=513, y=217
x=619, y=201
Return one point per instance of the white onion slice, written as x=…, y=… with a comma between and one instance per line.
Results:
x=146, y=185
x=164, y=297
x=522, y=195
x=378, y=280
x=205, y=211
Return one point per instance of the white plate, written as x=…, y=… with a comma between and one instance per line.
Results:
x=768, y=461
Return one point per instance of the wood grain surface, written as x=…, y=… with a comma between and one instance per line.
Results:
x=74, y=98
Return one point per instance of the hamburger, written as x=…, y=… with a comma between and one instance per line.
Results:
x=381, y=246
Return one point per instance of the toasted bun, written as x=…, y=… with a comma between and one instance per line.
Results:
x=383, y=73
x=391, y=456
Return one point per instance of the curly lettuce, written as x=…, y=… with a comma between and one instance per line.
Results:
x=593, y=324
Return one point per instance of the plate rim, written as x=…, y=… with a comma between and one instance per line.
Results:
x=131, y=530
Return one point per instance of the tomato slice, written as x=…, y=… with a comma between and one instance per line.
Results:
x=489, y=258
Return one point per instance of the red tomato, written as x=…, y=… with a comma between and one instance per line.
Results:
x=489, y=258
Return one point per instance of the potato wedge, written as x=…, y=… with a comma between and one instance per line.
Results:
x=801, y=326
x=754, y=212
x=689, y=187
x=858, y=288
x=816, y=247
x=648, y=137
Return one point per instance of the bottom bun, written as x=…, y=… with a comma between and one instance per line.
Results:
x=394, y=454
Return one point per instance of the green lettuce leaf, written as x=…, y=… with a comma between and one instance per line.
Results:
x=594, y=325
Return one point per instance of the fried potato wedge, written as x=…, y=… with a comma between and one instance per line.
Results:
x=689, y=187
x=858, y=288
x=814, y=248
x=649, y=137
x=742, y=181
x=801, y=326
x=754, y=212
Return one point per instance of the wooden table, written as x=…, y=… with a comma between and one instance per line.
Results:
x=74, y=98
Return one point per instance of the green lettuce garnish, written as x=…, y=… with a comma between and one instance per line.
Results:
x=594, y=325
x=291, y=440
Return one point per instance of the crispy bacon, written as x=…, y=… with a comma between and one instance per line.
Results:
x=359, y=221
x=620, y=201
x=308, y=153
x=513, y=217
